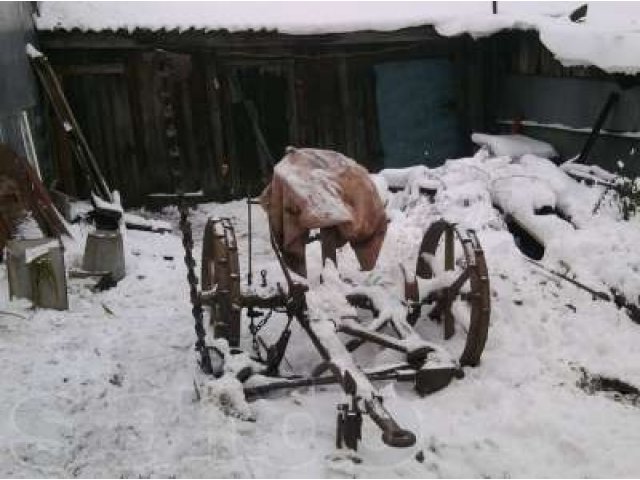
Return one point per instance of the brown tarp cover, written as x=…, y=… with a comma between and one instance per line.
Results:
x=314, y=188
x=13, y=204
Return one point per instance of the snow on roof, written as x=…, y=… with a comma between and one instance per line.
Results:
x=291, y=17
x=609, y=38
x=287, y=17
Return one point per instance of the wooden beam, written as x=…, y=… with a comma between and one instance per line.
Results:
x=140, y=38
x=104, y=69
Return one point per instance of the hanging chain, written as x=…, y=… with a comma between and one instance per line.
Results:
x=254, y=328
x=171, y=135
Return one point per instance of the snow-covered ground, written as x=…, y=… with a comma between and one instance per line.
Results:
x=107, y=388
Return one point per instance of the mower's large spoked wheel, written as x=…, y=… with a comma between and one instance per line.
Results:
x=221, y=278
x=461, y=299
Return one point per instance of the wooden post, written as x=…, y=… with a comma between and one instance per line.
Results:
x=347, y=107
x=294, y=136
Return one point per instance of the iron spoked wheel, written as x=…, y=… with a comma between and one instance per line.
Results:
x=221, y=273
x=461, y=305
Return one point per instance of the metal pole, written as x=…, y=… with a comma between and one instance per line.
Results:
x=595, y=132
x=249, y=267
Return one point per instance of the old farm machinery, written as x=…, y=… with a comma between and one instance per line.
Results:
x=449, y=291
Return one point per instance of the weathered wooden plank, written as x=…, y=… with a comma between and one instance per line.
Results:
x=63, y=158
x=155, y=167
x=230, y=166
x=292, y=103
x=193, y=175
x=347, y=108
x=128, y=170
x=212, y=85
x=86, y=105
x=203, y=143
x=137, y=134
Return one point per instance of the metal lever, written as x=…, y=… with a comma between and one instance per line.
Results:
x=392, y=434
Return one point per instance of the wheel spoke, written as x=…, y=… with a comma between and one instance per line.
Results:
x=449, y=248
x=455, y=287
x=449, y=322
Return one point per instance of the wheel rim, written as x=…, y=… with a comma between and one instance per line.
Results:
x=470, y=281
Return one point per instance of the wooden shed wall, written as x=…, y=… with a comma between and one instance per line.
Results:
x=551, y=100
x=325, y=82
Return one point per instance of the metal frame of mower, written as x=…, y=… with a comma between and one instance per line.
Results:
x=434, y=286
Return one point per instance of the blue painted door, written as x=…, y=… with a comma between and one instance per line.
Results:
x=417, y=115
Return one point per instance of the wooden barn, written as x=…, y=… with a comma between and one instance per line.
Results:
x=390, y=98
x=387, y=99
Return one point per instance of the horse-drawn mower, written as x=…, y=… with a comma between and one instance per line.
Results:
x=325, y=192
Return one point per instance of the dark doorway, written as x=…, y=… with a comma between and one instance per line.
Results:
x=417, y=114
x=260, y=123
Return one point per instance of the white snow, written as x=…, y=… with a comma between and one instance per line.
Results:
x=608, y=38
x=611, y=49
x=514, y=145
x=101, y=204
x=591, y=172
x=150, y=224
x=33, y=253
x=28, y=228
x=287, y=17
x=32, y=51
x=106, y=389
x=566, y=128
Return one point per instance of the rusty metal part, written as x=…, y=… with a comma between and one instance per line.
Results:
x=349, y=426
x=376, y=337
x=616, y=297
x=221, y=271
x=415, y=356
x=596, y=294
x=221, y=291
x=474, y=271
x=426, y=380
x=351, y=382
x=392, y=434
x=360, y=300
x=275, y=353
